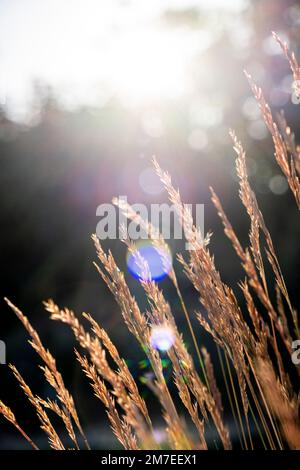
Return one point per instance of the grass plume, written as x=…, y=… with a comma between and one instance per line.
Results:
x=249, y=339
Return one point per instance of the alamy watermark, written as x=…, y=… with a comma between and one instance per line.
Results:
x=296, y=354
x=295, y=93
x=163, y=217
x=2, y=352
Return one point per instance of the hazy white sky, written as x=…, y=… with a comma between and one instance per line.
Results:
x=75, y=45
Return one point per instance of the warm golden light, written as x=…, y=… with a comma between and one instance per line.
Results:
x=149, y=64
x=88, y=51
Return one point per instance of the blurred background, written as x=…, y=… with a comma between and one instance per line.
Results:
x=89, y=92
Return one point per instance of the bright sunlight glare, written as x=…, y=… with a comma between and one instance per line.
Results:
x=89, y=50
x=145, y=65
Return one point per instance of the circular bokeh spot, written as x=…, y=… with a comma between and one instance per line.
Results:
x=158, y=261
x=150, y=182
x=162, y=337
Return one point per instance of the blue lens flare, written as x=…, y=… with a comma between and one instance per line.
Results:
x=162, y=337
x=159, y=262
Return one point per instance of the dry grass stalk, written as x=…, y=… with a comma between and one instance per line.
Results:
x=289, y=139
x=184, y=369
x=293, y=62
x=284, y=406
x=123, y=385
x=216, y=297
x=253, y=265
x=138, y=326
x=51, y=374
x=46, y=425
x=254, y=268
x=284, y=160
x=247, y=346
x=257, y=223
x=121, y=428
x=212, y=380
x=9, y=416
x=158, y=241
